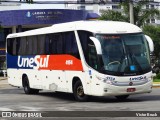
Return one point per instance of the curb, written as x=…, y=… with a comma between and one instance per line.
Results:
x=3, y=78
x=156, y=84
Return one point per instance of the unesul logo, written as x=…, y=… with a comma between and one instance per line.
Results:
x=138, y=78
x=33, y=62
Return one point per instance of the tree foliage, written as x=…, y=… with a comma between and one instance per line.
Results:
x=154, y=33
x=112, y=15
x=141, y=15
x=28, y=1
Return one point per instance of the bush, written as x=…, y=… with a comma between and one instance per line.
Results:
x=157, y=76
x=1, y=74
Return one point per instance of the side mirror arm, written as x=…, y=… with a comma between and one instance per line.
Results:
x=150, y=42
x=97, y=45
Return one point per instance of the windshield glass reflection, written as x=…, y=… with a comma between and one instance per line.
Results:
x=125, y=54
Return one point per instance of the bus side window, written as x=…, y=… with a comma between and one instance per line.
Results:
x=10, y=45
x=67, y=42
x=15, y=46
x=22, y=49
x=47, y=45
x=92, y=55
x=52, y=47
x=59, y=43
x=54, y=43
x=71, y=44
x=30, y=45
x=35, y=45
x=41, y=44
x=89, y=49
x=75, y=51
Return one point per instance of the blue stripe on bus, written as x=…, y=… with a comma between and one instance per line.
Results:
x=12, y=61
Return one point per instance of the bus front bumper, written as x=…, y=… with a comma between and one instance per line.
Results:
x=112, y=90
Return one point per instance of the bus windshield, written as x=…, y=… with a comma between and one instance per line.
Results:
x=126, y=54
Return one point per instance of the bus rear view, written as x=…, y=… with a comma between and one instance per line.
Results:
x=86, y=58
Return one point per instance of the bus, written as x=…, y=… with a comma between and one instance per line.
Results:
x=86, y=58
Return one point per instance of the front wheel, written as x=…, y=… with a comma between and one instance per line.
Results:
x=78, y=92
x=27, y=88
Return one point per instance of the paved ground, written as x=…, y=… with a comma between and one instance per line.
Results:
x=3, y=80
x=14, y=99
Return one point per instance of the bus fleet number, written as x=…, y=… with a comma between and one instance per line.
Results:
x=69, y=62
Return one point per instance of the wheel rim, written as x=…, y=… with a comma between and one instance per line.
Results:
x=80, y=91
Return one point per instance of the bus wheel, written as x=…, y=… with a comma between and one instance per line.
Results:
x=79, y=92
x=122, y=97
x=27, y=88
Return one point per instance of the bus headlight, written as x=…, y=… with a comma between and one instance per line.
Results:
x=108, y=81
x=105, y=80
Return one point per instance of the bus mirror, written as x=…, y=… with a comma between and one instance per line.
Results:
x=150, y=42
x=97, y=45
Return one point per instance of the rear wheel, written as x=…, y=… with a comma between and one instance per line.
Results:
x=27, y=88
x=122, y=97
x=78, y=92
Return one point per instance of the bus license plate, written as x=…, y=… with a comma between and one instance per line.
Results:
x=131, y=89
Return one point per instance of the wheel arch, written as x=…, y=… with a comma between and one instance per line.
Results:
x=77, y=82
x=74, y=80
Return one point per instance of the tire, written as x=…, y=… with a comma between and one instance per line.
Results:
x=79, y=92
x=27, y=88
x=122, y=97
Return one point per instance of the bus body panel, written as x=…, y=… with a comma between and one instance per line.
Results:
x=58, y=72
x=141, y=83
x=54, y=80
x=62, y=81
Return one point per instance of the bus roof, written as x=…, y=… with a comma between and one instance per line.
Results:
x=107, y=27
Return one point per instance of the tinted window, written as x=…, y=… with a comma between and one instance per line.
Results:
x=54, y=43
x=10, y=45
x=71, y=44
x=40, y=42
x=87, y=46
x=22, y=44
x=57, y=43
x=13, y=45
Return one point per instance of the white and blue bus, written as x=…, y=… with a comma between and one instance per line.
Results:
x=86, y=58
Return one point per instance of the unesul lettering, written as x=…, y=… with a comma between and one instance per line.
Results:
x=34, y=63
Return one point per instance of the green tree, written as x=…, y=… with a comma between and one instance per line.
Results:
x=141, y=15
x=28, y=1
x=154, y=33
x=112, y=15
